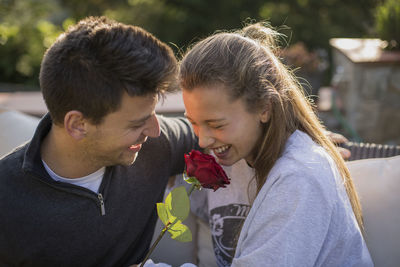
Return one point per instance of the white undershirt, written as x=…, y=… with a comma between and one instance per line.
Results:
x=91, y=181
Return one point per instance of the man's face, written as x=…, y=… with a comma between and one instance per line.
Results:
x=118, y=139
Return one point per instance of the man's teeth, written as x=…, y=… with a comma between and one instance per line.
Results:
x=221, y=149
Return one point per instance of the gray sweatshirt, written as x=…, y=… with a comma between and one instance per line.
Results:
x=302, y=215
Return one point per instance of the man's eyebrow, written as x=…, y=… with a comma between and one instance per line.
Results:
x=141, y=120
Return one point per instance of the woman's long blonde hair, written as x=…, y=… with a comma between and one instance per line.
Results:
x=245, y=61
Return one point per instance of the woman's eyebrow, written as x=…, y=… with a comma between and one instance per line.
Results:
x=215, y=120
x=208, y=121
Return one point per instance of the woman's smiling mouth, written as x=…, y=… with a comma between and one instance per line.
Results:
x=221, y=151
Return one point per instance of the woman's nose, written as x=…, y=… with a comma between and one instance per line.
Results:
x=205, y=138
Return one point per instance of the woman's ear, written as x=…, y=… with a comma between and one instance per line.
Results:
x=75, y=124
x=265, y=114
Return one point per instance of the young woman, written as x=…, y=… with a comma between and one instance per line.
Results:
x=301, y=208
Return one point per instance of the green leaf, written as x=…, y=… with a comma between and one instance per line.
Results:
x=180, y=232
x=162, y=213
x=190, y=180
x=177, y=204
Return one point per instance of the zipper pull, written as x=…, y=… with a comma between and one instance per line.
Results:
x=103, y=209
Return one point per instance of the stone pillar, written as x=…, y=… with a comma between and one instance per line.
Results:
x=367, y=82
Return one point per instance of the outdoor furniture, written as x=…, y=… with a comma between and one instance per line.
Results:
x=375, y=169
x=367, y=150
x=377, y=181
x=16, y=129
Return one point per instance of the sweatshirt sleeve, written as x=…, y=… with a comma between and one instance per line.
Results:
x=287, y=225
x=180, y=139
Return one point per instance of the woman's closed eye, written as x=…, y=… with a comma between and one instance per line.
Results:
x=217, y=126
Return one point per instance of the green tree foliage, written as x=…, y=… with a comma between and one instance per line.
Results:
x=181, y=22
x=388, y=22
x=314, y=22
x=28, y=27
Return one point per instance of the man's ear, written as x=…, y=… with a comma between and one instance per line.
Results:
x=75, y=124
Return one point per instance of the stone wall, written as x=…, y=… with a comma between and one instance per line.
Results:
x=367, y=82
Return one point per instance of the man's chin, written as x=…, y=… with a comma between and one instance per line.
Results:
x=131, y=160
x=126, y=159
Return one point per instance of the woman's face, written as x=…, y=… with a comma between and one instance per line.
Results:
x=223, y=126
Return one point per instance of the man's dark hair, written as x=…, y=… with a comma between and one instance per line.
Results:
x=90, y=66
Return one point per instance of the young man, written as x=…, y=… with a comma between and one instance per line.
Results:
x=83, y=192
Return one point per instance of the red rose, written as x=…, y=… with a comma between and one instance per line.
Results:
x=206, y=170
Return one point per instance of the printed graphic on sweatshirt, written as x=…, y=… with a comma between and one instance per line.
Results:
x=225, y=223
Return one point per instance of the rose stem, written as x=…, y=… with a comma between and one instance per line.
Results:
x=162, y=233
x=191, y=189
x=155, y=244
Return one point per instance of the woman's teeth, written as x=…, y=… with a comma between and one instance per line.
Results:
x=221, y=149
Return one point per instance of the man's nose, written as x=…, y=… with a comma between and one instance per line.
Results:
x=153, y=127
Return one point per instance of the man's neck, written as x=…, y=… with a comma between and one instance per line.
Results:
x=63, y=155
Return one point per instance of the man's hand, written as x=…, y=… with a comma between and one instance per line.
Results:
x=339, y=139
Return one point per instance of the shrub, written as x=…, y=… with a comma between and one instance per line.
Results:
x=387, y=23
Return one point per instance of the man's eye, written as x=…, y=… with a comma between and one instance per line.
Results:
x=135, y=127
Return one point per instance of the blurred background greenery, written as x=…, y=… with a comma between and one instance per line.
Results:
x=28, y=27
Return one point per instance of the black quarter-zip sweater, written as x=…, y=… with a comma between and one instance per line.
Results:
x=48, y=223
